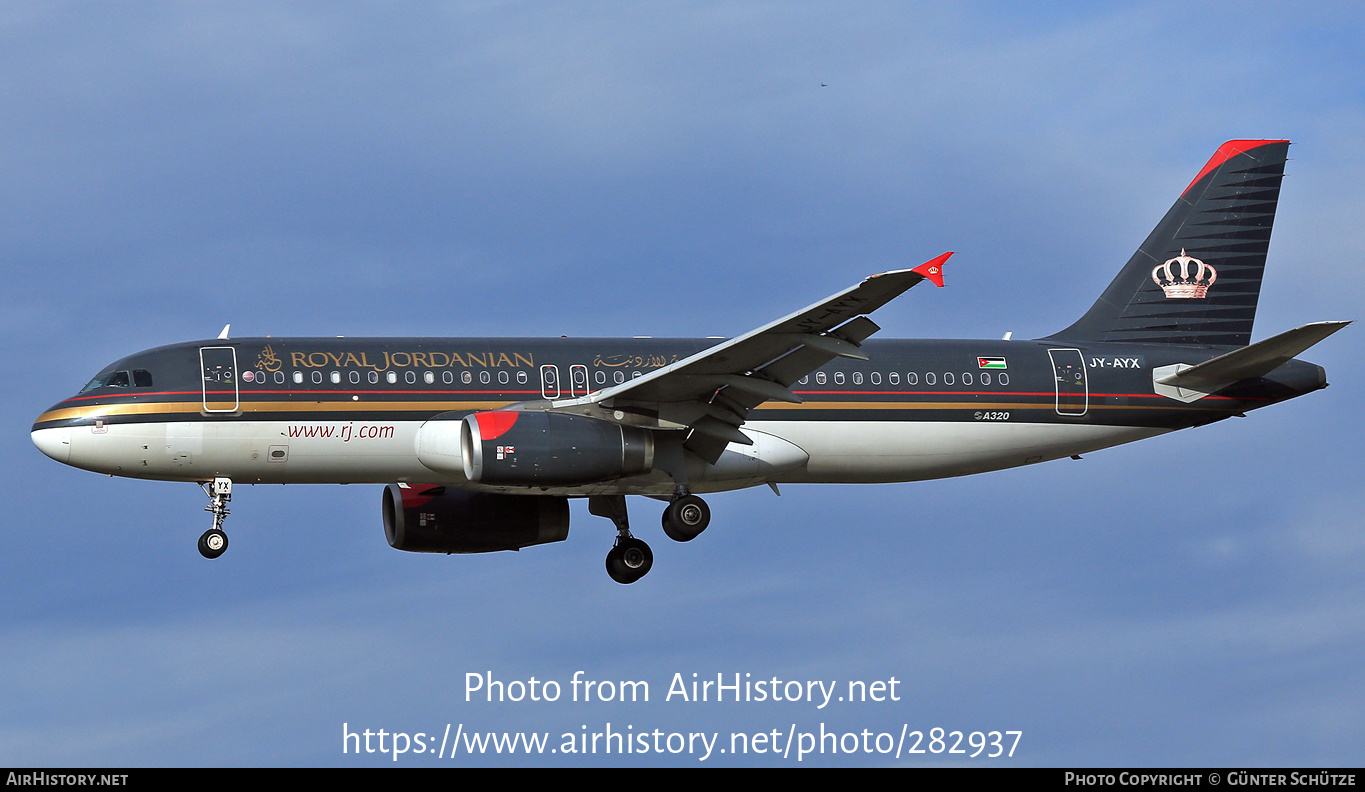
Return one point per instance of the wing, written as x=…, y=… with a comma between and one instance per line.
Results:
x=711, y=393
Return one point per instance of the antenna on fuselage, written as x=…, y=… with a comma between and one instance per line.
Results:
x=223, y=335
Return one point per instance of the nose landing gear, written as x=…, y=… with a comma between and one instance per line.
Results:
x=214, y=541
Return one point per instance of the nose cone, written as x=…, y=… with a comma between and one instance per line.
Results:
x=56, y=443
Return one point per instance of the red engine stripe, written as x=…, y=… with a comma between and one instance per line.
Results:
x=494, y=424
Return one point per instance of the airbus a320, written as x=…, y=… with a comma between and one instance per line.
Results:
x=483, y=441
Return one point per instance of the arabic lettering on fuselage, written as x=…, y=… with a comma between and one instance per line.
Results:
x=633, y=361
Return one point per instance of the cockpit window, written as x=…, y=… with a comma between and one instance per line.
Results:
x=112, y=379
x=141, y=378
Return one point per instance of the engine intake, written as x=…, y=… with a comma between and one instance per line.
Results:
x=435, y=519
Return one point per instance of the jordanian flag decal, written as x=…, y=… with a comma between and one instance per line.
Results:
x=991, y=363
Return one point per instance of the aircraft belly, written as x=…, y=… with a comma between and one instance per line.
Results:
x=883, y=451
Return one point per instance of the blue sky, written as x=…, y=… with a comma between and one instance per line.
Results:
x=673, y=169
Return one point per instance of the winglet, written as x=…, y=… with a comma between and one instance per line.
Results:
x=933, y=269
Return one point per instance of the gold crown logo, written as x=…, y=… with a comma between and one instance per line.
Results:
x=1184, y=286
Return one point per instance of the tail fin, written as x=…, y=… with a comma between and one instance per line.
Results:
x=1197, y=277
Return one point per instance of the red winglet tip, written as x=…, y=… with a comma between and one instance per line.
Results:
x=933, y=269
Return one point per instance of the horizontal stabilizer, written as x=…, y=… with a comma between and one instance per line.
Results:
x=1249, y=362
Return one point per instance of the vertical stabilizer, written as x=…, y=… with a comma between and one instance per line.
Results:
x=1197, y=277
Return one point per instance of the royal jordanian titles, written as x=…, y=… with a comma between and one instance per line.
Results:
x=482, y=441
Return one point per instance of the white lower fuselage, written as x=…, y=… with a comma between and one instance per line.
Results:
x=345, y=452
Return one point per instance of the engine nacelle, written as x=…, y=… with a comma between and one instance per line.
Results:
x=432, y=519
x=542, y=449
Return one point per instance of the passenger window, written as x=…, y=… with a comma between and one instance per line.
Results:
x=410, y=377
x=930, y=378
x=819, y=378
x=894, y=377
x=857, y=378
x=448, y=377
x=502, y=377
x=1004, y=378
x=911, y=378
x=876, y=377
x=466, y=377
x=317, y=377
x=985, y=378
x=521, y=378
x=374, y=378
x=142, y=378
x=355, y=377
x=483, y=377
x=619, y=376
x=838, y=378
x=948, y=378
x=298, y=377
x=805, y=380
x=336, y=377
x=601, y=377
x=391, y=378
x=429, y=378
x=967, y=379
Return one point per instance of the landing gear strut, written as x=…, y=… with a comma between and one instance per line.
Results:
x=214, y=541
x=630, y=558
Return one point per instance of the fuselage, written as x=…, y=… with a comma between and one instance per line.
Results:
x=351, y=410
x=481, y=441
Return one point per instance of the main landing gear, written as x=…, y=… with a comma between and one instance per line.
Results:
x=630, y=559
x=686, y=517
x=214, y=541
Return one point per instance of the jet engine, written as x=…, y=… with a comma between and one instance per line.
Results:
x=539, y=449
x=435, y=519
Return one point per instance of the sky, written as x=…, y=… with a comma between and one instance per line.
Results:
x=674, y=169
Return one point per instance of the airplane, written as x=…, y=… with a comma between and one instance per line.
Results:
x=481, y=442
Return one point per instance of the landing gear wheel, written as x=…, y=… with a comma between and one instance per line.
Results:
x=212, y=543
x=685, y=518
x=629, y=560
